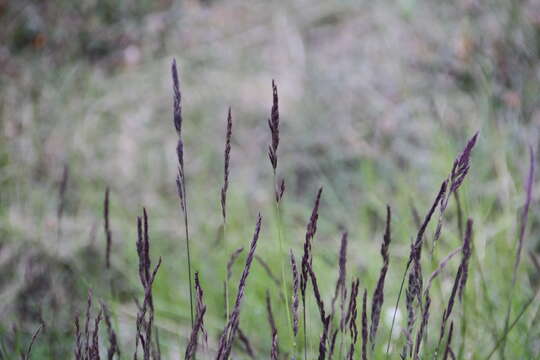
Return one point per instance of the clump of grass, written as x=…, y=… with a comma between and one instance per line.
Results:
x=417, y=292
x=449, y=186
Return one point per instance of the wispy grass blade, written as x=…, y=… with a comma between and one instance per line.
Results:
x=191, y=348
x=459, y=171
x=62, y=190
x=423, y=324
x=230, y=263
x=247, y=344
x=340, y=289
x=32, y=341
x=364, y=326
x=267, y=270
x=273, y=124
x=352, y=314
x=226, y=164
x=324, y=338
x=232, y=260
x=295, y=298
x=227, y=337
x=449, y=342
x=274, y=353
x=502, y=339
x=306, y=260
x=201, y=308
x=145, y=315
x=317, y=293
x=111, y=334
x=180, y=179
x=377, y=299
x=107, y=229
x=459, y=281
x=521, y=239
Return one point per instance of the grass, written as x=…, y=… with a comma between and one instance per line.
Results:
x=381, y=130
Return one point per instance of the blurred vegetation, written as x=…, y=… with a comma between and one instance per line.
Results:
x=376, y=100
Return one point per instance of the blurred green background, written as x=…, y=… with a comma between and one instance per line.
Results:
x=376, y=100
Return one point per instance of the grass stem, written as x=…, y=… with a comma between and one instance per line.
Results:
x=282, y=256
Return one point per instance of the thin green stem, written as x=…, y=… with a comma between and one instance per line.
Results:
x=227, y=310
x=184, y=199
x=487, y=300
x=502, y=340
x=282, y=256
x=463, y=328
x=305, y=326
x=396, y=308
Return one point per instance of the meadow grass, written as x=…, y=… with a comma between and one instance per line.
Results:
x=415, y=342
x=368, y=146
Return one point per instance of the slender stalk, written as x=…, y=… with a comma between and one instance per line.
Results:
x=34, y=337
x=519, y=246
x=510, y=327
x=180, y=179
x=463, y=327
x=108, y=240
x=273, y=124
x=226, y=163
x=490, y=306
x=227, y=309
x=62, y=200
x=305, y=326
x=282, y=256
x=396, y=308
x=188, y=252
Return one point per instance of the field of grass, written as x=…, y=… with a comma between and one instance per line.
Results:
x=376, y=102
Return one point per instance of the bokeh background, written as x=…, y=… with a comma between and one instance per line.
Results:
x=376, y=100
